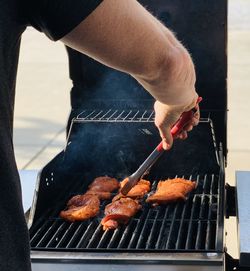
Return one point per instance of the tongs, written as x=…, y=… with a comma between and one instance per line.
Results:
x=158, y=151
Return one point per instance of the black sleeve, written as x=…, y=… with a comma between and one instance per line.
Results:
x=56, y=18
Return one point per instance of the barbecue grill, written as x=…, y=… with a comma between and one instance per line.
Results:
x=111, y=131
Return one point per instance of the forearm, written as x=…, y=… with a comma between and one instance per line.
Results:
x=175, y=82
x=123, y=35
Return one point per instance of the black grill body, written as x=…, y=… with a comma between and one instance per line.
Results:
x=111, y=131
x=194, y=226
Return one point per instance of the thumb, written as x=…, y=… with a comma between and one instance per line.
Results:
x=165, y=119
x=167, y=139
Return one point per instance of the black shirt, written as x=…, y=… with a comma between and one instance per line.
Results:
x=55, y=18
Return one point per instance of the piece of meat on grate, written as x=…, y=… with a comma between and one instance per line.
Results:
x=101, y=195
x=171, y=190
x=104, y=184
x=137, y=192
x=119, y=212
x=81, y=207
x=102, y=187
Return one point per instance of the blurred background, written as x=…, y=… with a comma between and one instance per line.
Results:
x=43, y=88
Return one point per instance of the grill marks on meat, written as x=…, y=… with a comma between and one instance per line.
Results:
x=171, y=190
x=81, y=207
x=102, y=187
x=119, y=212
x=137, y=192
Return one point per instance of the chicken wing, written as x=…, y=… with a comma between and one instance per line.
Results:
x=171, y=190
x=81, y=207
x=119, y=212
x=137, y=192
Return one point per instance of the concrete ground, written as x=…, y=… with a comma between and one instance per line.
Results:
x=42, y=99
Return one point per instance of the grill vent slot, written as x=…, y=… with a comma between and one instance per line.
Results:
x=190, y=225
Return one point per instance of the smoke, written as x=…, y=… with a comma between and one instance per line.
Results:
x=118, y=148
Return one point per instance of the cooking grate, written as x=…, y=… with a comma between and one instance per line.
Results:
x=112, y=115
x=191, y=225
x=116, y=115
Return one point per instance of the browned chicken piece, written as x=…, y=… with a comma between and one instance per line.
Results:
x=101, y=195
x=102, y=187
x=171, y=190
x=104, y=184
x=119, y=212
x=137, y=192
x=77, y=201
x=81, y=207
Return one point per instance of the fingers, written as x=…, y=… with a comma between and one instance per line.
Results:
x=166, y=117
x=167, y=139
x=189, y=127
x=164, y=121
x=183, y=135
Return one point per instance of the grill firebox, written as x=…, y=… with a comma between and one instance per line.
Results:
x=191, y=226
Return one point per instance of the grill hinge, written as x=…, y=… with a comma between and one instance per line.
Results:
x=230, y=201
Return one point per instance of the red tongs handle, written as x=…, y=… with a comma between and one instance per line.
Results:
x=181, y=123
x=157, y=152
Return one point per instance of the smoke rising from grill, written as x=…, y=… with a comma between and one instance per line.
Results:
x=117, y=146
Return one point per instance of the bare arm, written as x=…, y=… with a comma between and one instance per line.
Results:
x=123, y=35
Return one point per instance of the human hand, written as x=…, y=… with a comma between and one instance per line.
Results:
x=166, y=117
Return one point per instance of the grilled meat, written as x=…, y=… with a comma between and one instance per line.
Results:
x=77, y=201
x=102, y=187
x=81, y=207
x=101, y=195
x=171, y=190
x=137, y=192
x=119, y=212
x=104, y=184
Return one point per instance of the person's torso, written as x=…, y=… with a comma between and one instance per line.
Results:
x=11, y=28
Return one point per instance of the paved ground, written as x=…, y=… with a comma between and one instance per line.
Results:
x=42, y=102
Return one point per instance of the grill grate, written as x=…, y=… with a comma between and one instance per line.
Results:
x=113, y=115
x=116, y=115
x=189, y=226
